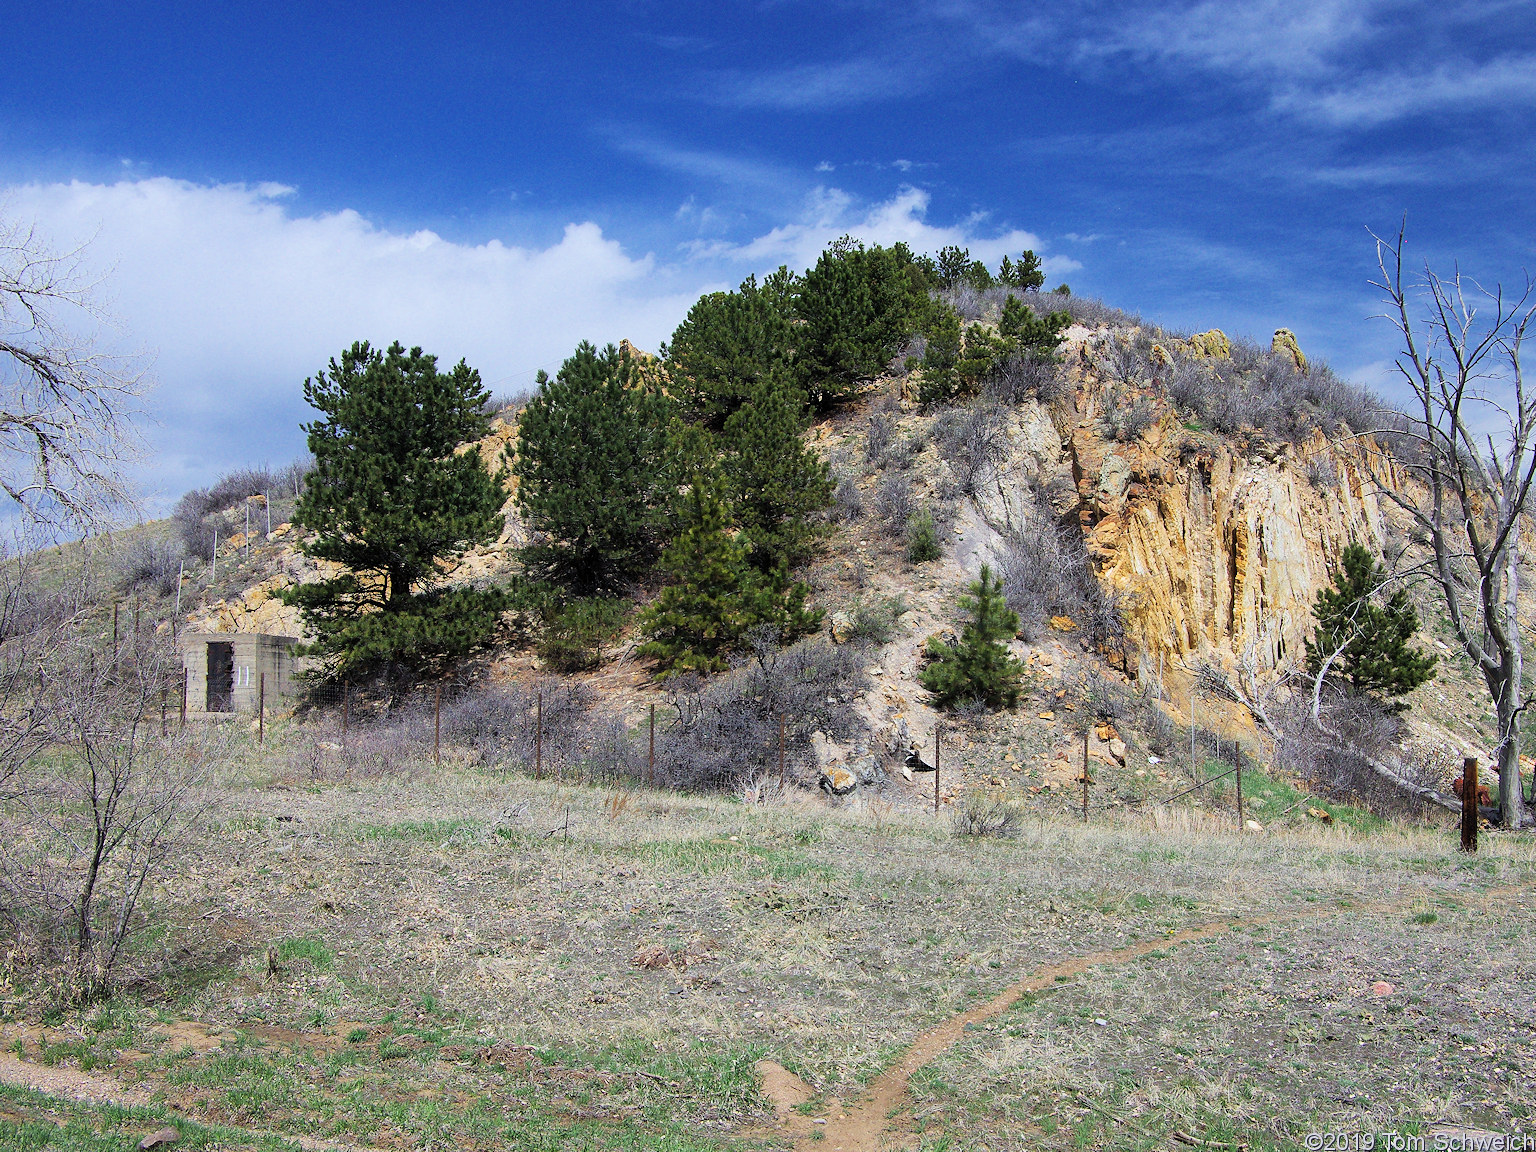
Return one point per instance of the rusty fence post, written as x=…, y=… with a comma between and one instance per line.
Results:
x=1469, y=804
x=1237, y=775
x=650, y=757
x=782, y=778
x=261, y=710
x=437, y=724
x=538, y=737
x=1085, y=775
x=346, y=709
x=186, y=682
x=935, y=769
x=165, y=694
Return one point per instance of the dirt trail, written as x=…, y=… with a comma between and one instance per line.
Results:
x=72, y=1084
x=861, y=1128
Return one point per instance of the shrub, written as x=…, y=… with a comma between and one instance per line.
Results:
x=726, y=731
x=922, y=538
x=882, y=433
x=1026, y=376
x=1258, y=389
x=1322, y=473
x=977, y=666
x=498, y=721
x=1125, y=419
x=893, y=503
x=1046, y=572
x=874, y=621
x=152, y=563
x=847, y=500
x=971, y=441
x=987, y=816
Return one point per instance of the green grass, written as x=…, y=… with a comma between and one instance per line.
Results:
x=310, y=948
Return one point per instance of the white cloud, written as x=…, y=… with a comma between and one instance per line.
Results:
x=830, y=213
x=1345, y=63
x=1393, y=95
x=239, y=299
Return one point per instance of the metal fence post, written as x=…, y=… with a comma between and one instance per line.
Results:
x=538, y=737
x=935, y=769
x=1085, y=775
x=783, y=779
x=437, y=724
x=261, y=710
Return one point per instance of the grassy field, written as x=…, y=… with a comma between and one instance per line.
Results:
x=467, y=959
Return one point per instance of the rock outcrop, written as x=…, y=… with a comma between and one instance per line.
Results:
x=1216, y=547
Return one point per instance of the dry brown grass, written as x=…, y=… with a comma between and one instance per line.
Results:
x=701, y=928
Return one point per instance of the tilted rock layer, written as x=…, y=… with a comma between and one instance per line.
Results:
x=1216, y=547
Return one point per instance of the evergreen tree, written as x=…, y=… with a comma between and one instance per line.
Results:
x=956, y=359
x=1026, y=274
x=856, y=309
x=589, y=466
x=978, y=667
x=1024, y=332
x=776, y=481
x=715, y=595
x=731, y=343
x=954, y=267
x=389, y=496
x=1371, y=638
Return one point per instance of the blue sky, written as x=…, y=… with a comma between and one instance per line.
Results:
x=262, y=185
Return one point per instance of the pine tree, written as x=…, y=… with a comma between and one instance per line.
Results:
x=715, y=596
x=1367, y=640
x=856, y=309
x=388, y=498
x=978, y=667
x=1023, y=332
x=590, y=471
x=1026, y=274
x=776, y=481
x=731, y=344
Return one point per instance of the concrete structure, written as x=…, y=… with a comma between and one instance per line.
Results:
x=224, y=670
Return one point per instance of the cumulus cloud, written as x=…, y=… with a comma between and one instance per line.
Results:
x=831, y=212
x=238, y=299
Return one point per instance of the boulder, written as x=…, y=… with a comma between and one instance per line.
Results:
x=1212, y=345
x=842, y=627
x=838, y=781
x=1284, y=344
x=1118, y=750
x=160, y=1139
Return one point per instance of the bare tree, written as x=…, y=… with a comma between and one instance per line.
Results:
x=1469, y=451
x=66, y=409
x=102, y=814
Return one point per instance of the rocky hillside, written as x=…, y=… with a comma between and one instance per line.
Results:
x=1209, y=547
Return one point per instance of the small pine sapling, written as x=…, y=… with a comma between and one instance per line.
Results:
x=978, y=667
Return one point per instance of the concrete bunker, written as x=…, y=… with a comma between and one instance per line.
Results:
x=224, y=671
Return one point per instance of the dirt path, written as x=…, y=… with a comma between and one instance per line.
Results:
x=72, y=1084
x=864, y=1126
